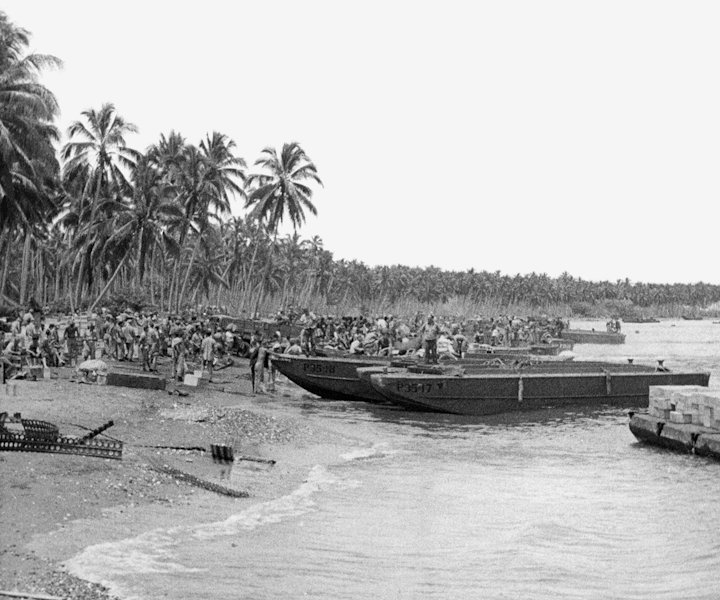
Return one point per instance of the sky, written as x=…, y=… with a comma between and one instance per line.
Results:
x=511, y=136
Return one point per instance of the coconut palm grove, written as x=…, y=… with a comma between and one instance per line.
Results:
x=87, y=220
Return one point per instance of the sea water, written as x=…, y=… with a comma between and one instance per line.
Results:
x=561, y=504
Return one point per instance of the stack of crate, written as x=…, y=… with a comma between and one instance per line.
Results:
x=685, y=404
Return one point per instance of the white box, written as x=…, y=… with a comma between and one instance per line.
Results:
x=659, y=403
x=680, y=417
x=659, y=413
x=191, y=380
x=714, y=402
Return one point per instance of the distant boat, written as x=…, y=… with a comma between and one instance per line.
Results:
x=583, y=336
x=533, y=387
x=552, y=348
x=641, y=320
x=690, y=318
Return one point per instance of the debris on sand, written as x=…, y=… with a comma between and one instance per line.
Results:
x=31, y=435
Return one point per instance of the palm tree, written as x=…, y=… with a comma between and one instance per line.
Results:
x=95, y=161
x=27, y=133
x=27, y=109
x=141, y=226
x=282, y=190
x=209, y=175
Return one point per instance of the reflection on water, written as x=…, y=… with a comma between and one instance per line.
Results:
x=554, y=504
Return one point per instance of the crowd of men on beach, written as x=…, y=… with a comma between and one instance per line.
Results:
x=200, y=338
x=421, y=333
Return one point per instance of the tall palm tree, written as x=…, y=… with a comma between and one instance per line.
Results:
x=140, y=226
x=27, y=133
x=209, y=176
x=96, y=160
x=27, y=108
x=283, y=188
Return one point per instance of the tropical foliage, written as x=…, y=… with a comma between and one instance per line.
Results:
x=106, y=221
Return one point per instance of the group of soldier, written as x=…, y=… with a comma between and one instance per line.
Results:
x=389, y=334
x=200, y=339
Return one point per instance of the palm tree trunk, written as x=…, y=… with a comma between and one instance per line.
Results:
x=248, y=278
x=109, y=282
x=6, y=265
x=25, y=270
x=83, y=265
x=189, y=269
x=150, y=275
x=39, y=289
x=162, y=295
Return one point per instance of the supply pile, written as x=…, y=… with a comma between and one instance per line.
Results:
x=694, y=405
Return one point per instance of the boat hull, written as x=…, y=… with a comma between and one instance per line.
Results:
x=331, y=377
x=336, y=377
x=506, y=391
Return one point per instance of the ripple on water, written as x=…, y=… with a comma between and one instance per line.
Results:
x=563, y=504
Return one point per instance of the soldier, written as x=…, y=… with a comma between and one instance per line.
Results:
x=70, y=336
x=179, y=351
x=430, y=332
x=207, y=347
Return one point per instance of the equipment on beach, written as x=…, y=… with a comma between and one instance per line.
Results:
x=30, y=435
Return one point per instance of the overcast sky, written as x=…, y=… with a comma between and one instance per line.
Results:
x=542, y=136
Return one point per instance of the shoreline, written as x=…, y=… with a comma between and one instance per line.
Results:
x=54, y=506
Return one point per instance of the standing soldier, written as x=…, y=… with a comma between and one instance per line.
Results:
x=153, y=342
x=207, y=347
x=307, y=337
x=117, y=341
x=430, y=332
x=178, y=354
x=88, y=349
x=144, y=349
x=128, y=332
x=70, y=336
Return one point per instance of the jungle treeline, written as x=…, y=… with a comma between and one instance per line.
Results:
x=87, y=221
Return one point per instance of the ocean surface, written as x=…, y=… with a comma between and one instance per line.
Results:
x=552, y=505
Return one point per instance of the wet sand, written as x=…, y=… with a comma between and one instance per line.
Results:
x=52, y=506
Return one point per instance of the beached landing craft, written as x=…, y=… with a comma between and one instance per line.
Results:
x=331, y=377
x=529, y=387
x=336, y=377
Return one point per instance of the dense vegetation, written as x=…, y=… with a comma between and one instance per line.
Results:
x=103, y=222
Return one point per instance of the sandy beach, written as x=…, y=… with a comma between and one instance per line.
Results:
x=53, y=506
